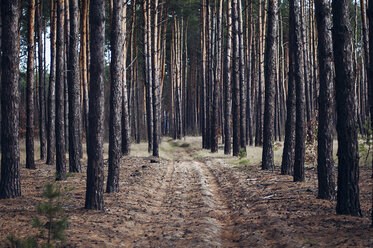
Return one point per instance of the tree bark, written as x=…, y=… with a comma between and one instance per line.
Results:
x=149, y=80
x=116, y=66
x=126, y=132
x=10, y=186
x=156, y=80
x=370, y=68
x=30, y=163
x=236, y=81
x=215, y=111
x=60, y=95
x=325, y=160
x=74, y=91
x=42, y=109
x=51, y=140
x=242, y=78
x=270, y=78
x=348, y=155
x=288, y=155
x=227, y=83
x=300, y=131
x=95, y=170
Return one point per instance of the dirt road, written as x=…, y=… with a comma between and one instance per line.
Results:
x=189, y=200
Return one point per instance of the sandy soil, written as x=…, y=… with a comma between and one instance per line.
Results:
x=194, y=200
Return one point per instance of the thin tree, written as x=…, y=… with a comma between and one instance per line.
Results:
x=300, y=131
x=30, y=163
x=287, y=164
x=42, y=110
x=74, y=91
x=51, y=141
x=95, y=170
x=10, y=185
x=227, y=83
x=235, y=80
x=60, y=95
x=242, y=78
x=156, y=79
x=148, y=74
x=348, y=154
x=126, y=131
x=325, y=161
x=270, y=84
x=370, y=77
x=216, y=97
x=116, y=66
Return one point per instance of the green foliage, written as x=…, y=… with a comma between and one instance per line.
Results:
x=15, y=242
x=242, y=154
x=51, y=225
x=50, y=211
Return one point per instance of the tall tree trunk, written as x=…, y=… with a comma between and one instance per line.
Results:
x=236, y=81
x=260, y=102
x=84, y=69
x=60, y=95
x=95, y=170
x=67, y=50
x=348, y=155
x=116, y=66
x=30, y=164
x=270, y=78
x=42, y=110
x=325, y=160
x=227, y=83
x=242, y=78
x=215, y=111
x=300, y=133
x=149, y=79
x=126, y=131
x=51, y=139
x=74, y=91
x=370, y=68
x=156, y=79
x=10, y=186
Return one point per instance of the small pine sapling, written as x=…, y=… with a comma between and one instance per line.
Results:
x=50, y=212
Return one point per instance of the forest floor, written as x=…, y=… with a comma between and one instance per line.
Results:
x=193, y=198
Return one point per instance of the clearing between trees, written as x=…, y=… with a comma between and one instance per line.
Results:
x=193, y=198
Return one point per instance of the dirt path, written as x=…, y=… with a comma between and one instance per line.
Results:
x=191, y=200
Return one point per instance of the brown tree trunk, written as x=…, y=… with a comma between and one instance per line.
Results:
x=39, y=16
x=10, y=186
x=216, y=97
x=325, y=160
x=242, y=78
x=370, y=68
x=126, y=132
x=149, y=78
x=95, y=170
x=117, y=43
x=235, y=81
x=300, y=132
x=270, y=78
x=348, y=155
x=66, y=88
x=30, y=164
x=156, y=79
x=60, y=95
x=84, y=63
x=51, y=140
x=227, y=83
x=74, y=91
